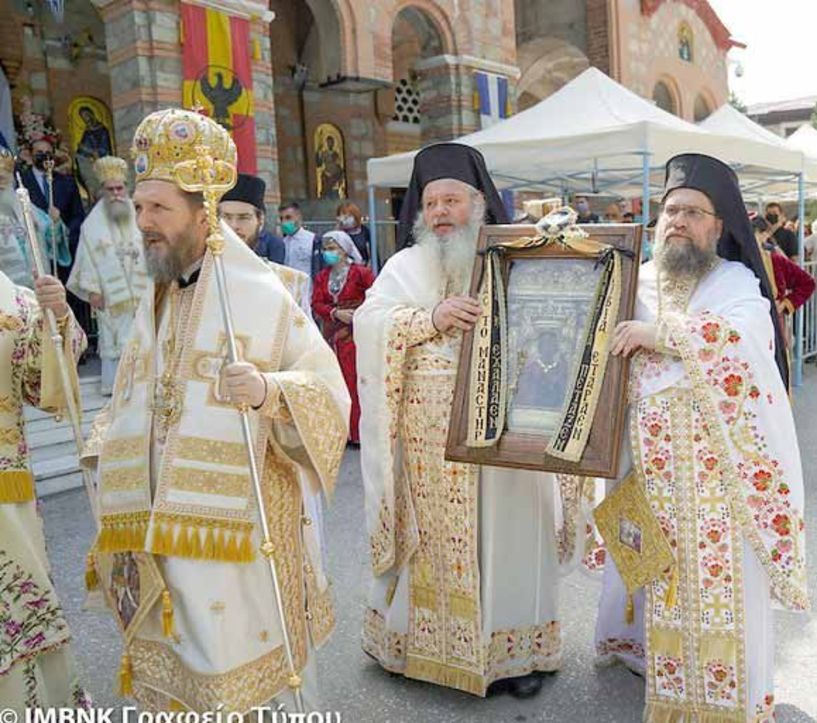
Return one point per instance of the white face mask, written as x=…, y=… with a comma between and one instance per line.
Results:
x=347, y=222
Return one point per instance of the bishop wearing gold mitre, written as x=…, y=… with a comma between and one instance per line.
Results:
x=178, y=553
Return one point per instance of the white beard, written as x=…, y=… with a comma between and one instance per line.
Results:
x=454, y=252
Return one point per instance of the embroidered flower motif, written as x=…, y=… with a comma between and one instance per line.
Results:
x=733, y=337
x=761, y=480
x=781, y=524
x=711, y=332
x=733, y=384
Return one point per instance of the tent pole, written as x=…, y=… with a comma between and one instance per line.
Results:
x=798, y=337
x=645, y=199
x=373, y=229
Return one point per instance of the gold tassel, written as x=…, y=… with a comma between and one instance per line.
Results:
x=231, y=549
x=245, y=551
x=91, y=576
x=182, y=547
x=208, y=552
x=181, y=31
x=475, y=100
x=671, y=597
x=629, y=611
x=167, y=614
x=256, y=49
x=125, y=677
x=195, y=544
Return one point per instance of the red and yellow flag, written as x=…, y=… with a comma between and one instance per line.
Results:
x=218, y=74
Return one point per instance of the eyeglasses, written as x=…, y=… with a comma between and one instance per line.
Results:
x=693, y=213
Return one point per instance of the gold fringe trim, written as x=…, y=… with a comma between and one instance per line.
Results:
x=167, y=614
x=666, y=642
x=124, y=532
x=91, y=575
x=432, y=671
x=201, y=539
x=16, y=485
x=125, y=676
x=655, y=712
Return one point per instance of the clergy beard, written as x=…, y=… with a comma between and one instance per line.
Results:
x=681, y=257
x=170, y=265
x=455, y=251
x=119, y=211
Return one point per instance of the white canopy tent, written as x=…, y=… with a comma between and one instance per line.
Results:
x=804, y=139
x=761, y=181
x=593, y=135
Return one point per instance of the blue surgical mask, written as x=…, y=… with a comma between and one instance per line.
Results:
x=289, y=227
x=331, y=257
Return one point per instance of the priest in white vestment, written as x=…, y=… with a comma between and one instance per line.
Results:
x=37, y=668
x=464, y=557
x=178, y=554
x=109, y=269
x=714, y=447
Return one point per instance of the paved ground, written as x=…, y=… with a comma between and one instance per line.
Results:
x=357, y=687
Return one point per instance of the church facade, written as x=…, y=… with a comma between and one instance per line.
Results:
x=314, y=88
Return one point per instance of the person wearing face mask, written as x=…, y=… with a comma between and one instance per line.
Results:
x=303, y=248
x=582, y=206
x=339, y=289
x=67, y=206
x=349, y=220
x=783, y=237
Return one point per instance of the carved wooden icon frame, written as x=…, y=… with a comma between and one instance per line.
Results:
x=525, y=444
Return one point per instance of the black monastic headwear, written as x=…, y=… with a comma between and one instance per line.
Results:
x=737, y=242
x=249, y=189
x=447, y=160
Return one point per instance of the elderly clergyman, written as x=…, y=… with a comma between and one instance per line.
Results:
x=715, y=450
x=109, y=271
x=464, y=557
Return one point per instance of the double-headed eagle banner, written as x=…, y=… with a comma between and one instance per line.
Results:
x=217, y=73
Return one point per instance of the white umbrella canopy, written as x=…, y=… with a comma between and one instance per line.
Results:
x=592, y=130
x=804, y=139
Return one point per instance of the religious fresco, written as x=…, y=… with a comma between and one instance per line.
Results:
x=330, y=162
x=90, y=131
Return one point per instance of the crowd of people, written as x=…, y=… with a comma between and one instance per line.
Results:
x=465, y=559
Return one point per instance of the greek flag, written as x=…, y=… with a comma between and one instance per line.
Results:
x=491, y=98
x=493, y=103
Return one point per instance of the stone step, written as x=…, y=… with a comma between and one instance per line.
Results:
x=55, y=485
x=54, y=434
x=55, y=467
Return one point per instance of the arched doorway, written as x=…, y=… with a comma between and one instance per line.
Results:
x=546, y=65
x=415, y=37
x=702, y=108
x=307, y=51
x=665, y=98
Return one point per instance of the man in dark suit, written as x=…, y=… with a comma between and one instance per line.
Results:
x=67, y=202
x=67, y=207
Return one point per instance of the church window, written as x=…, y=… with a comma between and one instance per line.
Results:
x=663, y=97
x=406, y=102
